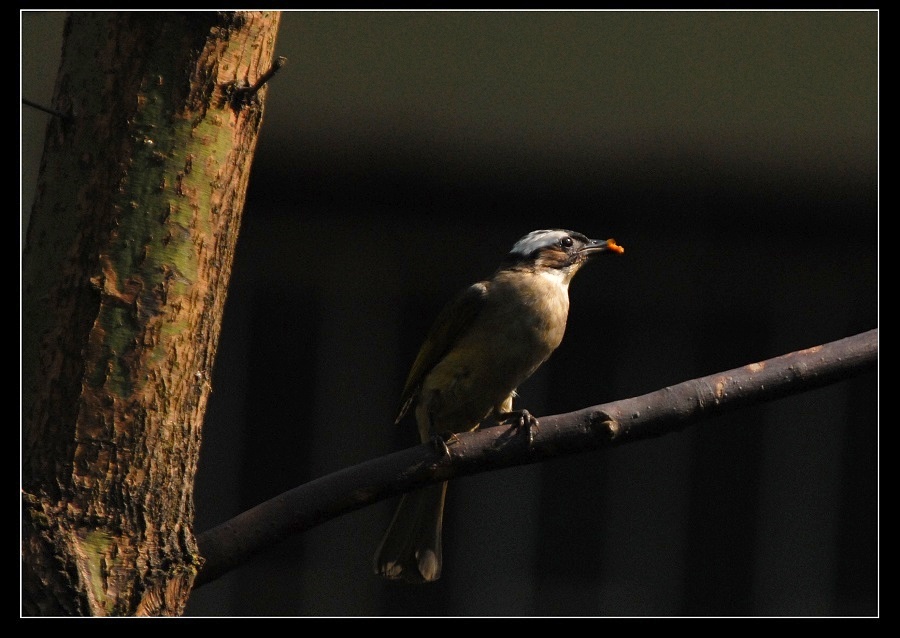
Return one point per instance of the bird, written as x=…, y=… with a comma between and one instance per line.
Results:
x=489, y=339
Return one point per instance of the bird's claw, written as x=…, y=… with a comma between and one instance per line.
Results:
x=522, y=420
x=439, y=443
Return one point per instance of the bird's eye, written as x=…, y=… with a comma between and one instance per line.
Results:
x=566, y=242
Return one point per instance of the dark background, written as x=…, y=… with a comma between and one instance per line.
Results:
x=733, y=154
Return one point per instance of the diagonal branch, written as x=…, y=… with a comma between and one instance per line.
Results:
x=667, y=410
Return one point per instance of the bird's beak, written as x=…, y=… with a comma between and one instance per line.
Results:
x=602, y=245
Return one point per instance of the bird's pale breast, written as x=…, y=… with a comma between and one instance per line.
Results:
x=522, y=323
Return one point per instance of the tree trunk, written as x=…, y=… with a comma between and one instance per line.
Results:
x=125, y=271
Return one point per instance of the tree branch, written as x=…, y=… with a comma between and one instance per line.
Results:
x=667, y=410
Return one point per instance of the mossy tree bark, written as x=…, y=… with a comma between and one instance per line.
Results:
x=126, y=266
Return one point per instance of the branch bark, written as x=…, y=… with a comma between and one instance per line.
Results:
x=125, y=273
x=661, y=412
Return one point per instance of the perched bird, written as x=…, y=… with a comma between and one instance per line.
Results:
x=485, y=343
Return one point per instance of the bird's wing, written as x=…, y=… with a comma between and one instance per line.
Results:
x=449, y=325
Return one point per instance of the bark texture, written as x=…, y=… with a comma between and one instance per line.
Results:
x=125, y=271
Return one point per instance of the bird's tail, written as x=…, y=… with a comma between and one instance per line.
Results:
x=411, y=548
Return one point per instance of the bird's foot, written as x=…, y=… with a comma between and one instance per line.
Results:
x=521, y=420
x=440, y=443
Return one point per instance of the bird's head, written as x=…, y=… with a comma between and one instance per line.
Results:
x=559, y=250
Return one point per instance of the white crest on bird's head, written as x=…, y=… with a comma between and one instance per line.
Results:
x=538, y=239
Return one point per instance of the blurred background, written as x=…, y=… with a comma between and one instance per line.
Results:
x=733, y=154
